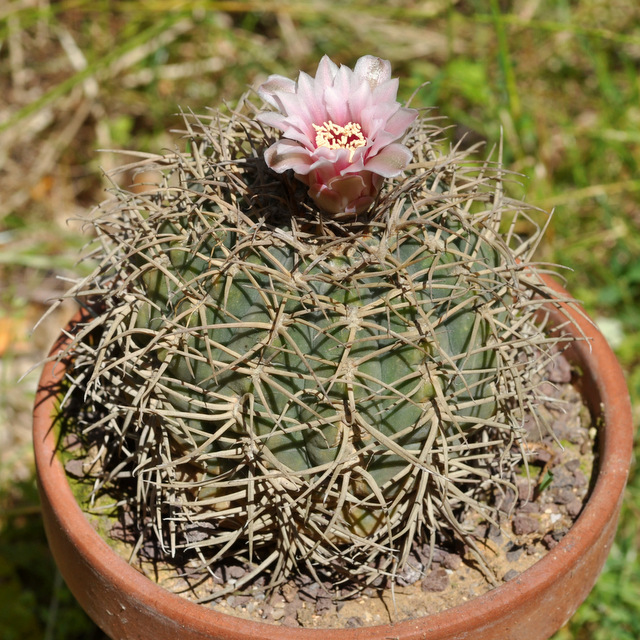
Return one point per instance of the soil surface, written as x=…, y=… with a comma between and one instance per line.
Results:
x=531, y=520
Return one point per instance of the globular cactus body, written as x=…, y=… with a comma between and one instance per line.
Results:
x=325, y=356
x=313, y=392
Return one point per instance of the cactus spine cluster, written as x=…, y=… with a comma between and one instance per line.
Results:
x=297, y=391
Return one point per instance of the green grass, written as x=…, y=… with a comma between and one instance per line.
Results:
x=559, y=82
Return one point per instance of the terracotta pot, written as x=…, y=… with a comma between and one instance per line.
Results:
x=126, y=605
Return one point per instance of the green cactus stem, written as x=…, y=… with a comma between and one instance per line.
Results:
x=309, y=392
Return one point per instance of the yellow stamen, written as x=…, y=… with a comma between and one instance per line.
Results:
x=333, y=136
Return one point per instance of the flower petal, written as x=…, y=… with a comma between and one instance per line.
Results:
x=391, y=161
x=311, y=96
x=359, y=99
x=350, y=187
x=274, y=119
x=337, y=95
x=339, y=194
x=285, y=155
x=327, y=199
x=386, y=92
x=326, y=72
x=400, y=121
x=273, y=86
x=374, y=70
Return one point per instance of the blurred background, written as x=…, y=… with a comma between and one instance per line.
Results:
x=558, y=80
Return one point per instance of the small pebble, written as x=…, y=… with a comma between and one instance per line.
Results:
x=525, y=489
x=507, y=502
x=540, y=456
x=480, y=531
x=75, y=467
x=559, y=370
x=549, y=390
x=277, y=600
x=558, y=534
x=562, y=478
x=563, y=496
x=514, y=553
x=290, y=621
x=234, y=571
x=323, y=605
x=529, y=507
x=72, y=442
x=409, y=575
x=574, y=508
x=436, y=580
x=580, y=480
x=277, y=614
x=495, y=534
x=524, y=525
x=572, y=465
x=451, y=561
x=289, y=591
x=353, y=622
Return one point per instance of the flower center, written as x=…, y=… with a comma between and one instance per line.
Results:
x=333, y=136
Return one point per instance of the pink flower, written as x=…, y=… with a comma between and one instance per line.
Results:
x=340, y=131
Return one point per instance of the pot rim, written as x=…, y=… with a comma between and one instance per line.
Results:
x=602, y=373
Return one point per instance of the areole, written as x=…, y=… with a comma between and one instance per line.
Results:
x=127, y=605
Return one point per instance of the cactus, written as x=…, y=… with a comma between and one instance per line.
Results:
x=301, y=389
